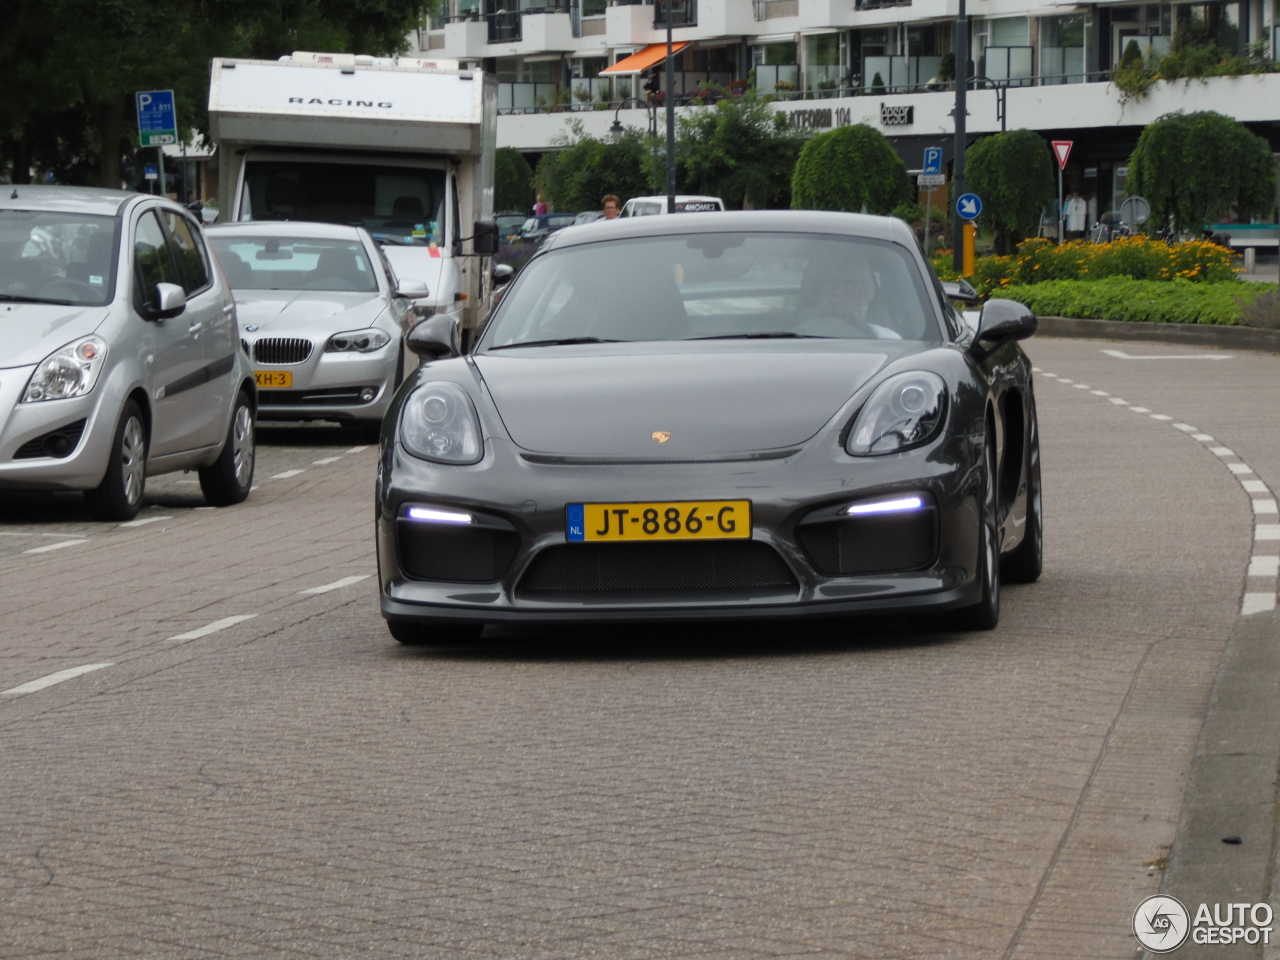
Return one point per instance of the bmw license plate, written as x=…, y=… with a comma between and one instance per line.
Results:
x=678, y=520
x=274, y=379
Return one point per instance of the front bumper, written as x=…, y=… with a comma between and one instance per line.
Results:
x=531, y=498
x=326, y=386
x=91, y=419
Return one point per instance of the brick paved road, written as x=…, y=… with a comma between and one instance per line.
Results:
x=298, y=785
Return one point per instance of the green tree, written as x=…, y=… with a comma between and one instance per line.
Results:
x=740, y=150
x=1194, y=168
x=1013, y=174
x=512, y=181
x=851, y=168
x=576, y=177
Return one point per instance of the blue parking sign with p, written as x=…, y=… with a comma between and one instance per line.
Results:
x=932, y=161
x=157, y=119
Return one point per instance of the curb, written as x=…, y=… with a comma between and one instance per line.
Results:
x=1200, y=335
x=1232, y=786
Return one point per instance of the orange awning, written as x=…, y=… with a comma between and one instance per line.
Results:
x=642, y=60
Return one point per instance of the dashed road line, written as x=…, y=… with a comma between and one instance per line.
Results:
x=1264, y=565
x=53, y=678
x=211, y=628
x=55, y=546
x=321, y=463
x=336, y=585
x=1121, y=355
x=143, y=521
x=287, y=474
x=358, y=449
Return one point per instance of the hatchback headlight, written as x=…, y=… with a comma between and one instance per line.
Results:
x=357, y=341
x=903, y=412
x=440, y=423
x=70, y=371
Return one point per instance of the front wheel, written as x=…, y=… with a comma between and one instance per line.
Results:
x=230, y=478
x=1025, y=563
x=985, y=614
x=119, y=495
x=421, y=635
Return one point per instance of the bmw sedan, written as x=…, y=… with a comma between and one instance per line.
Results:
x=733, y=415
x=322, y=315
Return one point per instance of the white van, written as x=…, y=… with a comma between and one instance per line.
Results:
x=652, y=206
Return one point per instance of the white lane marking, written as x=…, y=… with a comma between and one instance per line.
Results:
x=321, y=463
x=1257, y=603
x=1121, y=355
x=1185, y=428
x=1139, y=409
x=1202, y=437
x=1123, y=403
x=188, y=481
x=143, y=521
x=1100, y=393
x=1081, y=386
x=1264, y=566
x=1267, y=531
x=1240, y=468
x=212, y=627
x=1253, y=486
x=1036, y=370
x=357, y=449
x=55, y=546
x=1161, y=416
x=4, y=533
x=1222, y=451
x=1065, y=380
x=1261, y=507
x=336, y=585
x=68, y=674
x=286, y=474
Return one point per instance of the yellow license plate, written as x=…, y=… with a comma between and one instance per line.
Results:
x=274, y=379
x=678, y=520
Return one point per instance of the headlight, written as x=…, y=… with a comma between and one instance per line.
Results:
x=357, y=341
x=68, y=372
x=439, y=423
x=903, y=412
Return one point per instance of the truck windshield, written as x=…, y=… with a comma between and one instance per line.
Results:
x=403, y=205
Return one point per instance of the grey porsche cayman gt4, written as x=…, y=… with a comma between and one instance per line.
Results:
x=748, y=415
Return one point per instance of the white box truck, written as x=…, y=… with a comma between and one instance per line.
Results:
x=403, y=147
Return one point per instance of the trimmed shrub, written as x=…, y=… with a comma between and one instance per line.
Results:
x=850, y=168
x=1143, y=301
x=1013, y=173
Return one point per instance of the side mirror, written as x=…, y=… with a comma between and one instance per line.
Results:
x=502, y=274
x=1002, y=321
x=413, y=289
x=435, y=338
x=960, y=290
x=167, y=301
x=484, y=238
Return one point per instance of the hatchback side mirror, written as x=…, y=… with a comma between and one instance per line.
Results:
x=435, y=338
x=960, y=290
x=502, y=274
x=411, y=289
x=168, y=300
x=1001, y=322
x=484, y=238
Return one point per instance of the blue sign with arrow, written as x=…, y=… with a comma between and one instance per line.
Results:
x=968, y=205
x=932, y=160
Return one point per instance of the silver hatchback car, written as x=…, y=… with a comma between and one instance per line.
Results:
x=119, y=357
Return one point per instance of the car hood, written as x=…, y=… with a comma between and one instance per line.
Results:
x=29, y=332
x=713, y=399
x=307, y=312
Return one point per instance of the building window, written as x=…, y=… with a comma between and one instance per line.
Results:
x=776, y=67
x=1062, y=46
x=825, y=63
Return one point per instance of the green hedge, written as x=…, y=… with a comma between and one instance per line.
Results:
x=1147, y=301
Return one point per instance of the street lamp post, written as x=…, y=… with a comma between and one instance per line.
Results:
x=962, y=86
x=671, y=119
x=615, y=131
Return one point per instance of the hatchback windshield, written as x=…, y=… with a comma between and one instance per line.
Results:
x=294, y=263
x=64, y=258
x=718, y=285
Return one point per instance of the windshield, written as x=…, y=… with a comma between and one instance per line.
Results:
x=711, y=285
x=65, y=258
x=293, y=263
x=402, y=205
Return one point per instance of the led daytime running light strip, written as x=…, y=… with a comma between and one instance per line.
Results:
x=885, y=506
x=438, y=516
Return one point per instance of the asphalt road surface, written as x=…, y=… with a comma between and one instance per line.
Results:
x=254, y=768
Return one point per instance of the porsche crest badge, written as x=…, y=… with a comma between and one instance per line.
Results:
x=660, y=436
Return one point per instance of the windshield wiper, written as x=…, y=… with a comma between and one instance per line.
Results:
x=14, y=299
x=765, y=335
x=563, y=342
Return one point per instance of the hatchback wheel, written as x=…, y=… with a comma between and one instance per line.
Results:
x=230, y=478
x=119, y=495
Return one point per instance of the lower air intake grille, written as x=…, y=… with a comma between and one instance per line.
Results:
x=343, y=396
x=454, y=553
x=878, y=543
x=56, y=443
x=669, y=567
x=281, y=350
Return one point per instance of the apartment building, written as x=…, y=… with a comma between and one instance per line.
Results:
x=1044, y=65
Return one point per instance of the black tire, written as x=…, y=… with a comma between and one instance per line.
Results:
x=985, y=614
x=119, y=496
x=420, y=634
x=371, y=432
x=1025, y=563
x=230, y=478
